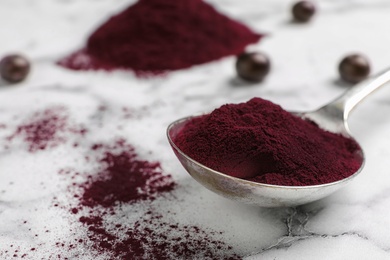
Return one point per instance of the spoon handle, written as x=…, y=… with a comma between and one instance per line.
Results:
x=357, y=93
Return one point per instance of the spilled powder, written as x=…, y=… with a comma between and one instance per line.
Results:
x=45, y=129
x=152, y=237
x=125, y=179
x=114, y=211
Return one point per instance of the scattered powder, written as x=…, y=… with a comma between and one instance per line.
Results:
x=125, y=179
x=153, y=36
x=45, y=129
x=153, y=238
x=114, y=214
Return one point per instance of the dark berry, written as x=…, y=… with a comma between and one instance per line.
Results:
x=302, y=11
x=253, y=66
x=354, y=68
x=14, y=68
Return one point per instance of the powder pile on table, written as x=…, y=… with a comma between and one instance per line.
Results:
x=153, y=36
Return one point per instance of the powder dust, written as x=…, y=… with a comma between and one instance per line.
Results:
x=123, y=179
x=45, y=129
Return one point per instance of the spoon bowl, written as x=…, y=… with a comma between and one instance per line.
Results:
x=331, y=117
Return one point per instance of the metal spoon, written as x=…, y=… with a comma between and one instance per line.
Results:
x=332, y=117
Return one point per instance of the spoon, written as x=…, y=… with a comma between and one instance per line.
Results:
x=331, y=117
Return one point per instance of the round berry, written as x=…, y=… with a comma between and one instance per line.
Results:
x=354, y=68
x=302, y=11
x=253, y=66
x=14, y=68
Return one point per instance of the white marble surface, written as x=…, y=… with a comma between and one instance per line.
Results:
x=350, y=224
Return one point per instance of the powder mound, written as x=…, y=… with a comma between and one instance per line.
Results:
x=153, y=36
x=261, y=142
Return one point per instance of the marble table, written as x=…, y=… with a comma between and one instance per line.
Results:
x=350, y=224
